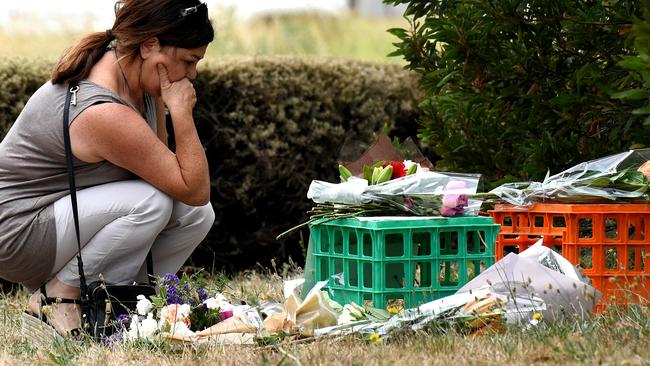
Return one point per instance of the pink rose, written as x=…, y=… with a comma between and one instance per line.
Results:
x=454, y=200
x=450, y=211
x=226, y=314
x=453, y=203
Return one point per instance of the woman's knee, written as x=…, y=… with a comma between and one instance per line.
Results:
x=204, y=217
x=155, y=205
x=198, y=219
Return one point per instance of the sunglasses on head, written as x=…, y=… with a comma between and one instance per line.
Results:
x=183, y=12
x=191, y=10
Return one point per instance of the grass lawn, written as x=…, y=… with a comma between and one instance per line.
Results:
x=618, y=337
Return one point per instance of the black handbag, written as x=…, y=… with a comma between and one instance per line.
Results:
x=106, y=303
x=101, y=303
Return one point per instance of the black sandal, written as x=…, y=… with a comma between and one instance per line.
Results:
x=39, y=329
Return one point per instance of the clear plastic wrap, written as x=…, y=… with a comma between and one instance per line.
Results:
x=618, y=177
x=425, y=193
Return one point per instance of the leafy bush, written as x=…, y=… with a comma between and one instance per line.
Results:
x=517, y=87
x=19, y=79
x=639, y=65
x=269, y=126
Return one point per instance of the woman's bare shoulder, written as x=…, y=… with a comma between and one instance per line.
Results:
x=102, y=126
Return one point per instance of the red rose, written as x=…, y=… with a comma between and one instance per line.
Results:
x=399, y=170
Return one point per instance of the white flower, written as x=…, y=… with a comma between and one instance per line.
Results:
x=132, y=334
x=184, y=310
x=211, y=303
x=408, y=164
x=536, y=319
x=145, y=328
x=239, y=309
x=218, y=302
x=149, y=327
x=143, y=306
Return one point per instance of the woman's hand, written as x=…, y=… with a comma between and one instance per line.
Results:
x=179, y=96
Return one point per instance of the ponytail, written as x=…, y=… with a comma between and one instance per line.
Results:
x=77, y=61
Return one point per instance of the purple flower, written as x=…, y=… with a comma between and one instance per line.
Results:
x=113, y=339
x=170, y=279
x=169, y=283
x=203, y=295
x=173, y=297
x=124, y=319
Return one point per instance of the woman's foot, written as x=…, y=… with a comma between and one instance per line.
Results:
x=64, y=317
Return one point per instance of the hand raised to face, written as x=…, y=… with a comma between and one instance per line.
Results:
x=178, y=96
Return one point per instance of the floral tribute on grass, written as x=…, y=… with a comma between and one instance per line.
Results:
x=390, y=181
x=182, y=310
x=501, y=296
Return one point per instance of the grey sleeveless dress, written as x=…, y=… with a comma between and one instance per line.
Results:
x=33, y=176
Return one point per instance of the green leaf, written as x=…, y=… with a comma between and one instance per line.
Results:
x=446, y=78
x=367, y=173
x=377, y=315
x=398, y=32
x=642, y=110
x=632, y=94
x=368, y=170
x=633, y=63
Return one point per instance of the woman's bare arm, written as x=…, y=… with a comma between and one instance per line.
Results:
x=161, y=122
x=116, y=133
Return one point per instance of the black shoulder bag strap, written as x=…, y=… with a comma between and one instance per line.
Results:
x=71, y=99
x=72, y=91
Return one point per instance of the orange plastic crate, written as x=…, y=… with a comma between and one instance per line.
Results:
x=610, y=242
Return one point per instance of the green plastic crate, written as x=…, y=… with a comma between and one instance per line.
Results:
x=416, y=260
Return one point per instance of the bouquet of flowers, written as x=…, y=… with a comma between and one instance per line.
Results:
x=620, y=177
x=183, y=309
x=375, y=186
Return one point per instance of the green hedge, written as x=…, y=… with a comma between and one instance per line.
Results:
x=19, y=78
x=269, y=126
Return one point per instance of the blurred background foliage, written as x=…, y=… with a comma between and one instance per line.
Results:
x=302, y=33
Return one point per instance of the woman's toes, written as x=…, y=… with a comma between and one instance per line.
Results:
x=34, y=303
x=65, y=317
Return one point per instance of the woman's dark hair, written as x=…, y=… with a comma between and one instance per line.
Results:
x=177, y=23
